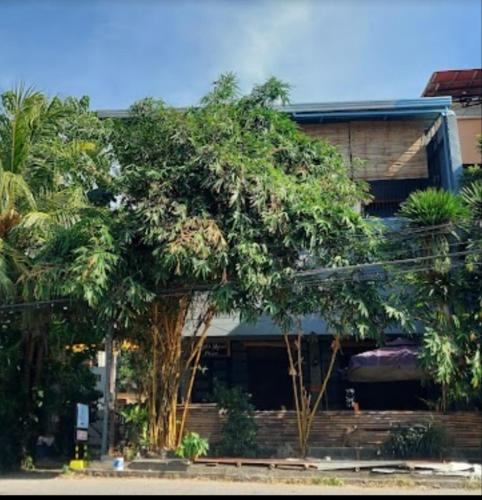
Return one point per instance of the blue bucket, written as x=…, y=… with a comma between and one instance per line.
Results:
x=118, y=463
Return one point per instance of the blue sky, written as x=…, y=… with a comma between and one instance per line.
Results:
x=118, y=51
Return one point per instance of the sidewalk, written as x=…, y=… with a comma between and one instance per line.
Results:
x=330, y=474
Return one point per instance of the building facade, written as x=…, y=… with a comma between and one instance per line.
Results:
x=398, y=147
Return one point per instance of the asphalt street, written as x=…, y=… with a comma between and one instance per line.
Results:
x=62, y=485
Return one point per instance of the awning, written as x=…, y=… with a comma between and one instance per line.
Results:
x=398, y=361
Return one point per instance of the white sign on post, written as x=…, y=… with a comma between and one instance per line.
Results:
x=82, y=416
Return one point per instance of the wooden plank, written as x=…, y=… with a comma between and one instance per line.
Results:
x=271, y=463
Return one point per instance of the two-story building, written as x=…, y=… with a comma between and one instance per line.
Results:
x=404, y=146
x=398, y=147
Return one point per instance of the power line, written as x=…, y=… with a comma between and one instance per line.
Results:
x=312, y=275
x=356, y=267
x=374, y=277
x=37, y=304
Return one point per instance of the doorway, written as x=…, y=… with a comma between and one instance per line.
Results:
x=269, y=382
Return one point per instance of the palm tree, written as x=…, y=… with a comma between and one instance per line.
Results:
x=44, y=175
x=47, y=165
x=437, y=292
x=19, y=114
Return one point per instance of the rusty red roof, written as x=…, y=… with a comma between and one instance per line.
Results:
x=461, y=84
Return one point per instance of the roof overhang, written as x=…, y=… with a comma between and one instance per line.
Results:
x=231, y=327
x=423, y=108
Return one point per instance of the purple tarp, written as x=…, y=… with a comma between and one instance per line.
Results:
x=397, y=361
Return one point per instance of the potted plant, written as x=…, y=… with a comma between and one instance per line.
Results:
x=192, y=447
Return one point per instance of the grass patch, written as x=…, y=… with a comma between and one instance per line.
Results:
x=328, y=481
x=472, y=483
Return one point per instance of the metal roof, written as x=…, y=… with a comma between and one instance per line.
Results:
x=423, y=107
x=461, y=84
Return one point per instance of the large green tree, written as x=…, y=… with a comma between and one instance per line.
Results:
x=216, y=206
x=53, y=154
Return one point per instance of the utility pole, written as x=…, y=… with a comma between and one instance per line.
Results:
x=107, y=392
x=112, y=398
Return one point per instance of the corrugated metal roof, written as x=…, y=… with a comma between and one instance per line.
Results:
x=384, y=105
x=429, y=104
x=458, y=83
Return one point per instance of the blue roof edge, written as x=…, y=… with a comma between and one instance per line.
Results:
x=428, y=105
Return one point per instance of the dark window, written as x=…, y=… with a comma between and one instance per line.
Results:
x=389, y=194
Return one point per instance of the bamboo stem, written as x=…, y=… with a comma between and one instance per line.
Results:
x=295, y=389
x=335, y=349
x=209, y=316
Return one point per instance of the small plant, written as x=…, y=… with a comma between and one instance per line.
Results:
x=28, y=463
x=192, y=446
x=423, y=440
x=136, y=424
x=238, y=435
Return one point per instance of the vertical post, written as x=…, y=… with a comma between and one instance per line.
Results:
x=452, y=150
x=315, y=366
x=107, y=387
x=112, y=398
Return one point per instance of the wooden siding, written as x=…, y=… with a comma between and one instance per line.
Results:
x=340, y=428
x=390, y=149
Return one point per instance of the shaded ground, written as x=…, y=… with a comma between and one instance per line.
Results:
x=35, y=484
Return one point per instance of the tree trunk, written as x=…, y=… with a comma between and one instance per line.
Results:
x=168, y=318
x=192, y=365
x=305, y=413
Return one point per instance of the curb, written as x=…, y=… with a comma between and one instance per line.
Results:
x=322, y=478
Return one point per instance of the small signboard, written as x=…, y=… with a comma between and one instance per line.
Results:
x=82, y=416
x=218, y=349
x=81, y=435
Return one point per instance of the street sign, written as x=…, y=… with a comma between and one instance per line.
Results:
x=81, y=435
x=82, y=416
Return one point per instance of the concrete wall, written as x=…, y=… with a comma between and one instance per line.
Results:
x=469, y=129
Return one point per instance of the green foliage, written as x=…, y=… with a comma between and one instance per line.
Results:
x=422, y=440
x=446, y=297
x=53, y=152
x=328, y=481
x=471, y=174
x=135, y=418
x=238, y=434
x=28, y=464
x=433, y=207
x=230, y=193
x=472, y=198
x=192, y=446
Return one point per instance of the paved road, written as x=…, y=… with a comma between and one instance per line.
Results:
x=131, y=486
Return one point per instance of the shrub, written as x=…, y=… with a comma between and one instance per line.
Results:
x=192, y=446
x=422, y=440
x=238, y=435
x=135, y=418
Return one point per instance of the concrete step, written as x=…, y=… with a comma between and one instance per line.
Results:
x=344, y=453
x=473, y=455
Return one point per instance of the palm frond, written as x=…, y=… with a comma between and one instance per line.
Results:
x=472, y=198
x=22, y=110
x=14, y=188
x=433, y=207
x=6, y=284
